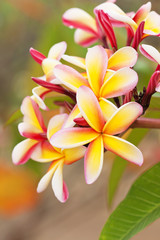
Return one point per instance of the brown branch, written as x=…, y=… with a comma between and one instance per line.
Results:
x=146, y=123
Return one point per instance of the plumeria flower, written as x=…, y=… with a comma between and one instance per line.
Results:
x=38, y=148
x=32, y=128
x=48, y=63
x=106, y=77
x=149, y=20
x=100, y=134
x=47, y=81
x=87, y=31
x=66, y=156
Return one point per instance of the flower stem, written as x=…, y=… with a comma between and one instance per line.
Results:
x=146, y=123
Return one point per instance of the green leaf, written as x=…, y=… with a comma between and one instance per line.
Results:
x=117, y=171
x=140, y=208
x=120, y=164
x=15, y=116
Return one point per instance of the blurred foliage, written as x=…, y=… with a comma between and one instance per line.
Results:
x=17, y=190
x=14, y=117
x=135, y=136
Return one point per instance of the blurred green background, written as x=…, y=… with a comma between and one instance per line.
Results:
x=24, y=214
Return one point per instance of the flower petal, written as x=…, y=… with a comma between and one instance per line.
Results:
x=38, y=96
x=75, y=113
x=36, y=55
x=142, y=13
x=29, y=131
x=123, y=118
x=108, y=74
x=55, y=124
x=70, y=77
x=52, y=85
x=153, y=83
x=44, y=152
x=84, y=38
x=73, y=154
x=93, y=161
x=158, y=87
x=77, y=61
x=121, y=82
x=23, y=150
x=59, y=187
x=73, y=137
x=96, y=66
x=107, y=107
x=48, y=65
x=124, y=57
x=57, y=50
x=32, y=114
x=78, y=18
x=45, y=180
x=150, y=52
x=116, y=13
x=152, y=24
x=123, y=149
x=90, y=108
x=107, y=27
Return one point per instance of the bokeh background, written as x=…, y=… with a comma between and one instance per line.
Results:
x=23, y=213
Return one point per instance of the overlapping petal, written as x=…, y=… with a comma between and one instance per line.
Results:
x=55, y=124
x=107, y=107
x=73, y=137
x=77, y=61
x=124, y=57
x=93, y=161
x=152, y=24
x=123, y=149
x=116, y=13
x=23, y=150
x=108, y=74
x=89, y=108
x=73, y=154
x=123, y=118
x=121, y=82
x=48, y=65
x=32, y=114
x=38, y=96
x=29, y=131
x=75, y=113
x=70, y=77
x=96, y=66
x=84, y=38
x=44, y=152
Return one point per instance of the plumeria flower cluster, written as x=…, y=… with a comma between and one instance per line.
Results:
x=102, y=101
x=139, y=25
